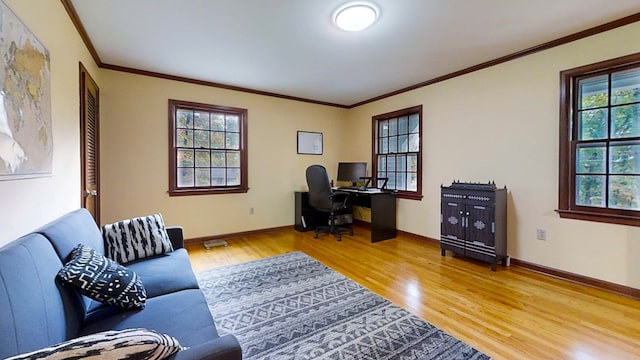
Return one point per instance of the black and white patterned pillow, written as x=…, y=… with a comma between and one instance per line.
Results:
x=103, y=279
x=136, y=238
x=113, y=344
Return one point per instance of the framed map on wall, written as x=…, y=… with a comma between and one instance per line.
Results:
x=26, y=142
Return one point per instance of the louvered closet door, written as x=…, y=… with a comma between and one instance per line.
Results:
x=89, y=124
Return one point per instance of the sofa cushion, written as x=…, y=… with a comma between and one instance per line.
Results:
x=65, y=233
x=123, y=344
x=165, y=273
x=162, y=274
x=35, y=311
x=183, y=314
x=136, y=238
x=70, y=229
x=103, y=279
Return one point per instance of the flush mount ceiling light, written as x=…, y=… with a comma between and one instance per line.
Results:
x=355, y=16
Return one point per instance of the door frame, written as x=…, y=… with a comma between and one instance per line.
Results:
x=89, y=190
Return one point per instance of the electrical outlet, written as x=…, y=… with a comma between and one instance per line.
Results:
x=250, y=211
x=541, y=234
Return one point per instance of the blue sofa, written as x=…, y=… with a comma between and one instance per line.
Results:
x=36, y=311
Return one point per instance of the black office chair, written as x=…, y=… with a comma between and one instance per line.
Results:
x=323, y=198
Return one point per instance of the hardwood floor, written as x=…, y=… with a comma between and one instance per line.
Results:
x=512, y=313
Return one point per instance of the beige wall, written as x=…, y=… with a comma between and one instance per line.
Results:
x=501, y=124
x=29, y=203
x=134, y=155
x=497, y=124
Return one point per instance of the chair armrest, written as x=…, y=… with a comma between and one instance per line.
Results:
x=225, y=347
x=338, y=195
x=176, y=236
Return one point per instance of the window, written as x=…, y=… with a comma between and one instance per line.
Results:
x=397, y=151
x=207, y=149
x=600, y=142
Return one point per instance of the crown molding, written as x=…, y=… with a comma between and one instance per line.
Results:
x=532, y=50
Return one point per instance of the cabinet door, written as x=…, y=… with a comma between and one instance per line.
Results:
x=452, y=216
x=480, y=224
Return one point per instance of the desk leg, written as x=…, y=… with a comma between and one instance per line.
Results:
x=383, y=217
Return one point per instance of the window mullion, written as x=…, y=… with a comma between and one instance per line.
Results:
x=608, y=143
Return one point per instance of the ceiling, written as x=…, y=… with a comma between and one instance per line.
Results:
x=292, y=48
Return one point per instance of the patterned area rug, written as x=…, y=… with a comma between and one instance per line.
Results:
x=293, y=307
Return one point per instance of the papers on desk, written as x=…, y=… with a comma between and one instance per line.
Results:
x=366, y=190
x=372, y=190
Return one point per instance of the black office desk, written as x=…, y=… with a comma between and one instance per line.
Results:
x=382, y=205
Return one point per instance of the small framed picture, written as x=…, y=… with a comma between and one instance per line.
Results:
x=309, y=143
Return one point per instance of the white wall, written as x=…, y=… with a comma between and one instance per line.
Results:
x=29, y=203
x=501, y=124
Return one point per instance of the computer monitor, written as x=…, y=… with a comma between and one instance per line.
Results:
x=352, y=171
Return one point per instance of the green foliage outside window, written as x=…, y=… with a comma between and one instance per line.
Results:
x=208, y=149
x=608, y=149
x=397, y=151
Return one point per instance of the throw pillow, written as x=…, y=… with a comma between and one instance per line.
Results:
x=103, y=279
x=113, y=344
x=136, y=238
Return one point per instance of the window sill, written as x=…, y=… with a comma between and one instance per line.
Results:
x=409, y=196
x=208, y=191
x=605, y=218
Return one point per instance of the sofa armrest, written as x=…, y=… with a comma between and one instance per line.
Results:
x=225, y=347
x=176, y=236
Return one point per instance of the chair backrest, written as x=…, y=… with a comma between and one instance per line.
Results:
x=319, y=188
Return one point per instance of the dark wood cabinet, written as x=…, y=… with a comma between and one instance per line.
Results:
x=473, y=221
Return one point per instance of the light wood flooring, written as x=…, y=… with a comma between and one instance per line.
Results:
x=512, y=313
